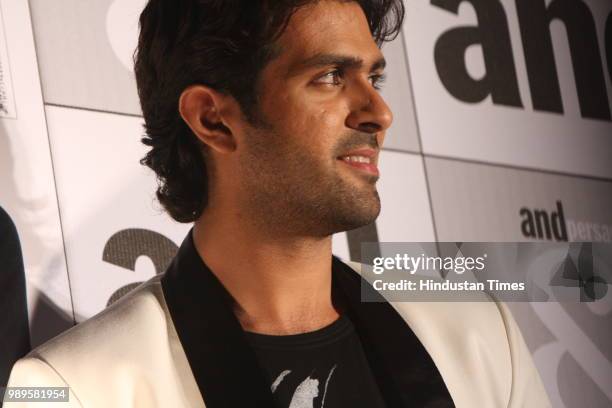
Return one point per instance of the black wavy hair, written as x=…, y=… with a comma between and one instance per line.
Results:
x=223, y=44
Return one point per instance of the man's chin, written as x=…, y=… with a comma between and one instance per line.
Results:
x=357, y=217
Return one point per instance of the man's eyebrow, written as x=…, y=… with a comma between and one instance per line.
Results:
x=338, y=60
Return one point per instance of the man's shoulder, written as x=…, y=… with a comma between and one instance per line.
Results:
x=128, y=352
x=478, y=337
x=131, y=327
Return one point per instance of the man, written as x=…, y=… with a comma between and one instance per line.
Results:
x=265, y=125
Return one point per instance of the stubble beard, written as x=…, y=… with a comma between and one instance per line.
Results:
x=289, y=193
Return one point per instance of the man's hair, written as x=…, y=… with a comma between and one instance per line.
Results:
x=223, y=44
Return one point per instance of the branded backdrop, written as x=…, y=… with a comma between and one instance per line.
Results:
x=502, y=126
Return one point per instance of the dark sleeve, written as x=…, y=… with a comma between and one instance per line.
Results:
x=14, y=332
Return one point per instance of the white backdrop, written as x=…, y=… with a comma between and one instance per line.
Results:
x=473, y=144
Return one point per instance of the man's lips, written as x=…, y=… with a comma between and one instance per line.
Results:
x=364, y=160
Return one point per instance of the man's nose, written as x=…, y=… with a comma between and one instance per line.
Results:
x=369, y=111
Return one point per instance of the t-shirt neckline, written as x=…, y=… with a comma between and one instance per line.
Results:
x=325, y=335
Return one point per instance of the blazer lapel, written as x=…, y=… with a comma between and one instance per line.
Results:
x=226, y=368
x=223, y=364
x=405, y=372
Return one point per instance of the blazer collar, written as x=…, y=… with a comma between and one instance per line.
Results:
x=226, y=368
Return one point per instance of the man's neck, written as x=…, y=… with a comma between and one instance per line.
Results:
x=281, y=285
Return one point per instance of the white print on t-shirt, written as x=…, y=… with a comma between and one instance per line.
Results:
x=306, y=391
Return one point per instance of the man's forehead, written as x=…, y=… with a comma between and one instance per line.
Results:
x=326, y=15
x=329, y=30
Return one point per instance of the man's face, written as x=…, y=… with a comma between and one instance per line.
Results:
x=319, y=104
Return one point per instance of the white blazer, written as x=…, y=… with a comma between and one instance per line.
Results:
x=174, y=342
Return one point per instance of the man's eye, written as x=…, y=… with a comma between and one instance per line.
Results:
x=378, y=80
x=331, y=78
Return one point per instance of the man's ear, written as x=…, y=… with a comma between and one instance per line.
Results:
x=208, y=114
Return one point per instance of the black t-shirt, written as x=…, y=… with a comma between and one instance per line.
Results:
x=325, y=368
